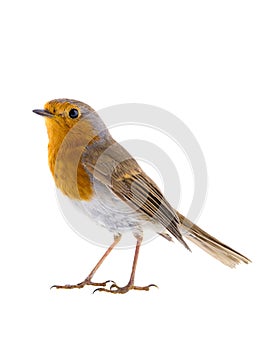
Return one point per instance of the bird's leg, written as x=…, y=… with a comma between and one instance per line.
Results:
x=87, y=280
x=115, y=289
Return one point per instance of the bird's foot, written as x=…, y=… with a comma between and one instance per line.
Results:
x=115, y=289
x=86, y=282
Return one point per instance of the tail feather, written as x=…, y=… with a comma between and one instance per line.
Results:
x=211, y=245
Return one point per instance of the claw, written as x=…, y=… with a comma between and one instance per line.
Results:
x=100, y=290
x=108, y=281
x=145, y=288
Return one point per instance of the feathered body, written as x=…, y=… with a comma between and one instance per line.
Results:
x=106, y=182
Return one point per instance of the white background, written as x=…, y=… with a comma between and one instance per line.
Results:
x=202, y=61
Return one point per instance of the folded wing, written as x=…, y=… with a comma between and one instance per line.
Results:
x=118, y=170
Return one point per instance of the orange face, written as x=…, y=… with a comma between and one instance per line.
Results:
x=63, y=112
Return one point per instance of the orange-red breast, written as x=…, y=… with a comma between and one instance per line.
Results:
x=90, y=167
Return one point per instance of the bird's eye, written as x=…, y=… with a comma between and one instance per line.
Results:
x=73, y=113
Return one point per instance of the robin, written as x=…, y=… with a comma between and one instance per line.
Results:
x=91, y=169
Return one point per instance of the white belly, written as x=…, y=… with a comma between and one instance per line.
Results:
x=111, y=212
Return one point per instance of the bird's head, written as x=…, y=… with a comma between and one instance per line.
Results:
x=64, y=115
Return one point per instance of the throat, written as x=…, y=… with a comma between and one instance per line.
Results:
x=65, y=162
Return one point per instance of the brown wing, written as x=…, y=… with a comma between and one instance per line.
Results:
x=117, y=169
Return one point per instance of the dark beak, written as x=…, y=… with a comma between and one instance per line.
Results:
x=43, y=112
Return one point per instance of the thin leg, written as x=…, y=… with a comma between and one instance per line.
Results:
x=88, y=281
x=115, y=289
x=135, y=260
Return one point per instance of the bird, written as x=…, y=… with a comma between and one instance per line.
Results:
x=90, y=168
